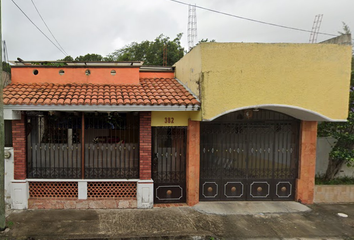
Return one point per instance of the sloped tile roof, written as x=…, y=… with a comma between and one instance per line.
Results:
x=162, y=91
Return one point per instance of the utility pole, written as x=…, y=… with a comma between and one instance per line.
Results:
x=2, y=144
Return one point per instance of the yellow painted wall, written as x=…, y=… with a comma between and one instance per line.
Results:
x=313, y=77
x=190, y=70
x=173, y=118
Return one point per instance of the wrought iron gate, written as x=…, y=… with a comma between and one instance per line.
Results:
x=249, y=155
x=169, y=164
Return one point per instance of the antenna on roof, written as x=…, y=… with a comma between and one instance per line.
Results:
x=315, y=28
x=192, y=26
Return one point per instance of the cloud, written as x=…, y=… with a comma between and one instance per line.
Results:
x=87, y=26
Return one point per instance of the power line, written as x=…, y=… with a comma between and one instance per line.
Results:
x=253, y=20
x=38, y=27
x=47, y=27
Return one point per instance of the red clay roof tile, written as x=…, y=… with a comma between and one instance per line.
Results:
x=47, y=101
x=159, y=91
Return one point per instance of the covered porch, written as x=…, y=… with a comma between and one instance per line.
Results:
x=79, y=159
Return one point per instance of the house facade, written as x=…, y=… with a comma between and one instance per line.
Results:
x=230, y=121
x=84, y=140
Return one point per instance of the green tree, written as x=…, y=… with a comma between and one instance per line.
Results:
x=89, y=58
x=6, y=67
x=67, y=59
x=346, y=29
x=151, y=52
x=6, y=78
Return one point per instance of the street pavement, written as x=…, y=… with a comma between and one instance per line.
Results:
x=239, y=220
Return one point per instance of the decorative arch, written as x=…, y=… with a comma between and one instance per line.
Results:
x=293, y=111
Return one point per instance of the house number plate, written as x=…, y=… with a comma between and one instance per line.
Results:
x=169, y=120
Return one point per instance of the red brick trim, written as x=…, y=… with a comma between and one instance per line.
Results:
x=145, y=146
x=193, y=162
x=19, y=145
x=307, y=162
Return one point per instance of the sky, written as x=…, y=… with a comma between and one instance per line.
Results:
x=101, y=27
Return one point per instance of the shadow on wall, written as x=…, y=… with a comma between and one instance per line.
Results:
x=324, y=147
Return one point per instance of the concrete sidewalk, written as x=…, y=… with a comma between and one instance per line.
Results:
x=250, y=208
x=322, y=222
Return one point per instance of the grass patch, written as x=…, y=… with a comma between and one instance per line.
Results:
x=9, y=224
x=336, y=181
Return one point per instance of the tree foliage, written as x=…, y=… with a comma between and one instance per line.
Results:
x=6, y=78
x=90, y=57
x=67, y=59
x=151, y=52
x=346, y=29
x=205, y=40
x=6, y=67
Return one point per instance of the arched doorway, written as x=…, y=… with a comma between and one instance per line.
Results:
x=249, y=155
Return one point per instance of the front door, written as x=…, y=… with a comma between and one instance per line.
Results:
x=169, y=164
x=249, y=155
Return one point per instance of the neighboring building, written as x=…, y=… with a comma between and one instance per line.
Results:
x=233, y=121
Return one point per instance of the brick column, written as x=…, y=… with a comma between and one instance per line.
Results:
x=193, y=162
x=19, y=145
x=307, y=162
x=145, y=146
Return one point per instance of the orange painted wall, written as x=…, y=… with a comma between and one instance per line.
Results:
x=129, y=75
x=157, y=74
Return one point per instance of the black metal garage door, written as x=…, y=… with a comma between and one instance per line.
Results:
x=249, y=155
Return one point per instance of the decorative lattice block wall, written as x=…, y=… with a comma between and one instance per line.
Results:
x=111, y=189
x=53, y=189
